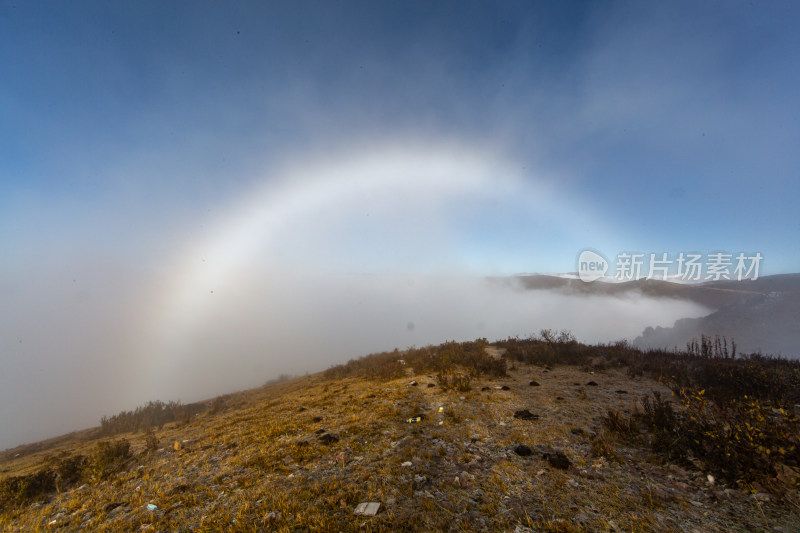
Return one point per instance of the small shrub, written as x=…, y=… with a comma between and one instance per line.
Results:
x=602, y=447
x=69, y=469
x=20, y=490
x=108, y=458
x=619, y=423
x=150, y=441
x=454, y=381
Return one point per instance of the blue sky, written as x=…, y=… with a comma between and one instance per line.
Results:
x=676, y=123
x=151, y=152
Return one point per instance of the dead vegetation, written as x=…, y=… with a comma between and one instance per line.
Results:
x=448, y=438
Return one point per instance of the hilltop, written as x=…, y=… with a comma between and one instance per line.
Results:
x=540, y=434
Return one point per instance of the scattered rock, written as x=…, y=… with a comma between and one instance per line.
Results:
x=503, y=387
x=175, y=490
x=560, y=398
x=367, y=508
x=577, y=431
x=301, y=409
x=176, y=446
x=485, y=388
x=592, y=384
x=534, y=384
x=621, y=391
x=431, y=385
x=328, y=438
x=580, y=518
x=522, y=450
x=342, y=457
x=420, y=481
x=557, y=459
x=317, y=419
x=524, y=414
x=413, y=383
x=466, y=479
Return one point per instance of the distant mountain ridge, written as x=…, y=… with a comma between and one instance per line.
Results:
x=760, y=315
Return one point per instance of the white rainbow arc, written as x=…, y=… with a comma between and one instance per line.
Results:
x=427, y=177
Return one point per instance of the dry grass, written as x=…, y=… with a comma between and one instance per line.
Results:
x=258, y=464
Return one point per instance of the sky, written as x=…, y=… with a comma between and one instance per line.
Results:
x=196, y=197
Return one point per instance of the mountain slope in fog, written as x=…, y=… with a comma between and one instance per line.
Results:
x=759, y=315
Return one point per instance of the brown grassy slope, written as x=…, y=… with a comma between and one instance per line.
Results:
x=260, y=465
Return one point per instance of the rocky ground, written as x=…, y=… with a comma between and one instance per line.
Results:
x=522, y=453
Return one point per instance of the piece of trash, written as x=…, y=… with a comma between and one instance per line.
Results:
x=710, y=479
x=416, y=418
x=176, y=446
x=151, y=507
x=441, y=409
x=406, y=464
x=367, y=508
x=413, y=383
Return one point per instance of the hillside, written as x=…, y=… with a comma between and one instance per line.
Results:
x=759, y=315
x=536, y=435
x=764, y=322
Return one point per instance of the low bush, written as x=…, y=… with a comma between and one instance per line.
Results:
x=457, y=381
x=20, y=490
x=108, y=458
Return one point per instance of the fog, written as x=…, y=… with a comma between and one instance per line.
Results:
x=88, y=355
x=332, y=258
